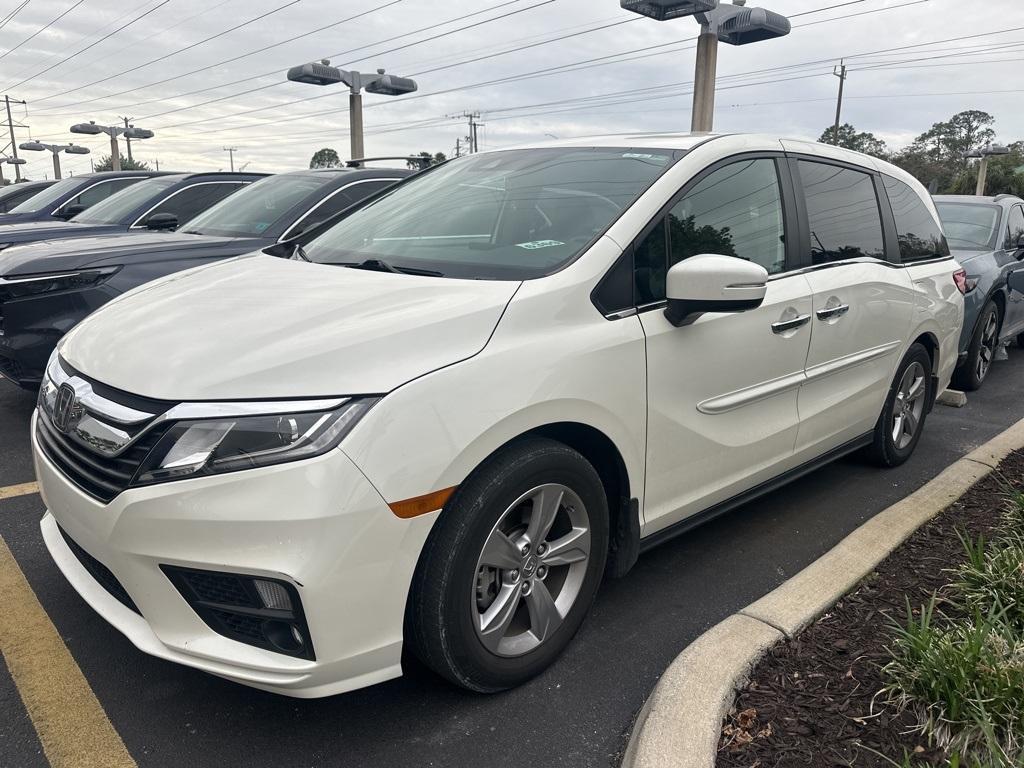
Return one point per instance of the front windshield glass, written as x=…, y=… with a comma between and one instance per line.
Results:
x=50, y=195
x=260, y=209
x=969, y=226
x=117, y=208
x=510, y=215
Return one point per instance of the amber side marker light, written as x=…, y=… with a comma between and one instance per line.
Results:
x=421, y=505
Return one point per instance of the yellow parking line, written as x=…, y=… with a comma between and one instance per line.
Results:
x=25, y=489
x=72, y=726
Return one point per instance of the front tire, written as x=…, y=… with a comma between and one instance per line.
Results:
x=901, y=422
x=981, y=352
x=511, y=567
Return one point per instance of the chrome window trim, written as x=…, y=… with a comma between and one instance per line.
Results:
x=137, y=225
x=303, y=217
x=63, y=205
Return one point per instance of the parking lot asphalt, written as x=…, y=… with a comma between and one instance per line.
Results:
x=576, y=714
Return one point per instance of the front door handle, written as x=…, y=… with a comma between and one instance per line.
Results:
x=825, y=314
x=788, y=325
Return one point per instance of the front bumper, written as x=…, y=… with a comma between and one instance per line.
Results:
x=317, y=524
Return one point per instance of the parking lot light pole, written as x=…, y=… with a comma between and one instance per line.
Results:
x=984, y=154
x=322, y=73
x=56, y=149
x=733, y=23
x=113, y=131
x=15, y=161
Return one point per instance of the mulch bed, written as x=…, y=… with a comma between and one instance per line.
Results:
x=811, y=701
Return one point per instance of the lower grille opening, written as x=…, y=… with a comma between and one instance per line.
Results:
x=254, y=610
x=100, y=573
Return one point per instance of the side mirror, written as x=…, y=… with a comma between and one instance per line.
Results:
x=1015, y=280
x=712, y=283
x=162, y=221
x=70, y=211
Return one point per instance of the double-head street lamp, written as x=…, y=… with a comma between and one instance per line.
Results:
x=15, y=161
x=322, y=73
x=733, y=23
x=113, y=131
x=56, y=149
x=984, y=154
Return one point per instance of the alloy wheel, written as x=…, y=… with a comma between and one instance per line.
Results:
x=531, y=570
x=909, y=405
x=987, y=348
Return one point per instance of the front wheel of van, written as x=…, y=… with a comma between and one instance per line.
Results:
x=900, y=425
x=511, y=567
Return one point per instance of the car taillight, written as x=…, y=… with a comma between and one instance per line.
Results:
x=960, y=278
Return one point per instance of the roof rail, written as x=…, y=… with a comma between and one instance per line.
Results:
x=423, y=162
x=1004, y=196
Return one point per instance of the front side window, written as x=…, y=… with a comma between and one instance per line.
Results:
x=187, y=203
x=50, y=195
x=842, y=212
x=1015, y=227
x=262, y=209
x=970, y=226
x=513, y=214
x=919, y=234
x=118, y=208
x=338, y=202
x=102, y=191
x=733, y=211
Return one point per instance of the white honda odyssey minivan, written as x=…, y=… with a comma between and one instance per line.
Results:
x=443, y=420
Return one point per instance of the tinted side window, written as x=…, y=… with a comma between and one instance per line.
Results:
x=735, y=211
x=1016, y=227
x=920, y=235
x=340, y=202
x=102, y=191
x=842, y=211
x=191, y=201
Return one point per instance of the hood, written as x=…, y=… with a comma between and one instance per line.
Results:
x=30, y=231
x=263, y=327
x=129, y=247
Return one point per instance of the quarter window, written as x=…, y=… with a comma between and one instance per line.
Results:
x=842, y=212
x=733, y=211
x=1016, y=227
x=919, y=234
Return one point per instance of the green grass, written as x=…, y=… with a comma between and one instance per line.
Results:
x=962, y=672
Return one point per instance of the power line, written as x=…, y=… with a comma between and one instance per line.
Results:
x=12, y=14
x=91, y=45
x=38, y=31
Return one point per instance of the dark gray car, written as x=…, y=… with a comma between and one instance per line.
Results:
x=986, y=235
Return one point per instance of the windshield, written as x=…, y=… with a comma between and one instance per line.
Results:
x=262, y=209
x=50, y=195
x=117, y=208
x=969, y=226
x=512, y=215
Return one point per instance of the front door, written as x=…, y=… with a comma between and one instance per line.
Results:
x=722, y=391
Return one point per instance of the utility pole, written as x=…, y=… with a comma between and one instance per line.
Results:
x=128, y=139
x=231, y=156
x=839, y=72
x=472, y=138
x=14, y=143
x=458, y=147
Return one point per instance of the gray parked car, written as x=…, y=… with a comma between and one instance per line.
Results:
x=986, y=235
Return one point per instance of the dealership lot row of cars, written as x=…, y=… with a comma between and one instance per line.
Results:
x=432, y=410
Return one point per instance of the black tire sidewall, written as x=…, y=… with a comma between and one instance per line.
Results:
x=889, y=453
x=967, y=376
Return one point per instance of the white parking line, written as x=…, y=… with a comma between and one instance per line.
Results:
x=25, y=489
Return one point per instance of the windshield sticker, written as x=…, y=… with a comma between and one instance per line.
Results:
x=534, y=245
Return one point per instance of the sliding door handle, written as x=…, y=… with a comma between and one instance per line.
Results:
x=788, y=325
x=839, y=311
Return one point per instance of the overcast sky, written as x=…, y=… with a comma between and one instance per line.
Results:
x=911, y=63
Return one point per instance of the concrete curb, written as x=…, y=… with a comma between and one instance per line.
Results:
x=679, y=725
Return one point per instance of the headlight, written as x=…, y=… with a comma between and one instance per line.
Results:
x=30, y=285
x=201, y=447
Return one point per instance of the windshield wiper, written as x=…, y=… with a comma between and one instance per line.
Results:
x=379, y=265
x=301, y=253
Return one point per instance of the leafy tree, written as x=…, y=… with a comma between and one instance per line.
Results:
x=851, y=138
x=106, y=164
x=1005, y=174
x=938, y=157
x=439, y=158
x=325, y=158
x=429, y=158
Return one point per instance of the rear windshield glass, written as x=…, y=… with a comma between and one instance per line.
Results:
x=512, y=214
x=264, y=208
x=117, y=208
x=969, y=226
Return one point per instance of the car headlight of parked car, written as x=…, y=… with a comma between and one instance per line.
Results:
x=31, y=285
x=201, y=447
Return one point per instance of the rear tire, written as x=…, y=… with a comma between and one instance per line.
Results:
x=511, y=567
x=902, y=419
x=982, y=350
